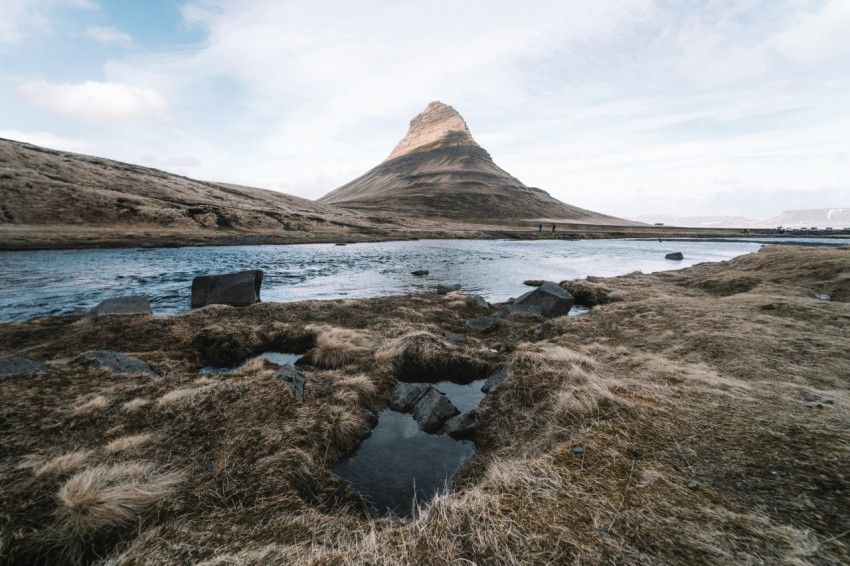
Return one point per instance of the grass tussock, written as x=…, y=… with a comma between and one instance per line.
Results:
x=128, y=444
x=91, y=405
x=106, y=498
x=338, y=347
x=134, y=405
x=422, y=356
x=61, y=465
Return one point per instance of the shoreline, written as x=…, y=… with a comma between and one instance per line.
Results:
x=29, y=238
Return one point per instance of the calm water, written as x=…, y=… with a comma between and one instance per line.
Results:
x=59, y=282
x=399, y=464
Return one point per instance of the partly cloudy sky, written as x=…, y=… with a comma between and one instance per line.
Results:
x=738, y=107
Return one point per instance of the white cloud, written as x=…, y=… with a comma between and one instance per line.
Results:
x=20, y=19
x=95, y=102
x=106, y=34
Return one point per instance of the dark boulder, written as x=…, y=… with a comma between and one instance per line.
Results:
x=496, y=378
x=481, y=302
x=294, y=378
x=675, y=256
x=135, y=304
x=461, y=427
x=432, y=410
x=405, y=396
x=446, y=289
x=15, y=365
x=552, y=300
x=420, y=272
x=482, y=324
x=237, y=289
x=119, y=363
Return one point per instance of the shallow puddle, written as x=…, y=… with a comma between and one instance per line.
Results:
x=399, y=462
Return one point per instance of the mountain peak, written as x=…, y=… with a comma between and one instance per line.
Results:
x=438, y=125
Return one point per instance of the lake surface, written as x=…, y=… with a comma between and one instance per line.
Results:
x=38, y=283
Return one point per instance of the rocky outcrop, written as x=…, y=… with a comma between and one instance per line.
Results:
x=119, y=363
x=294, y=378
x=134, y=304
x=238, y=289
x=552, y=300
x=15, y=365
x=438, y=124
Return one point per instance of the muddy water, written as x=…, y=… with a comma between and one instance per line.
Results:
x=38, y=283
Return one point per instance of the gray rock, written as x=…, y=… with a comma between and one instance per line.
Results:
x=550, y=297
x=693, y=485
x=821, y=296
x=529, y=310
x=15, y=365
x=405, y=396
x=237, y=289
x=432, y=410
x=119, y=363
x=675, y=256
x=496, y=378
x=135, y=304
x=446, y=289
x=370, y=421
x=482, y=324
x=479, y=300
x=578, y=450
x=455, y=336
x=420, y=272
x=294, y=378
x=461, y=427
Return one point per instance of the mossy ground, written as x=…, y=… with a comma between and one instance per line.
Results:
x=711, y=406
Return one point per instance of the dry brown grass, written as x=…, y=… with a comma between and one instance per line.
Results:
x=105, y=498
x=745, y=394
x=339, y=347
x=128, y=444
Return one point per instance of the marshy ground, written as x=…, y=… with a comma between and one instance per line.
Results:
x=697, y=416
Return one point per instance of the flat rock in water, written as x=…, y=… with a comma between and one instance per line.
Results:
x=432, y=410
x=15, y=365
x=482, y=324
x=294, y=378
x=675, y=256
x=135, y=304
x=446, y=289
x=550, y=297
x=238, y=289
x=420, y=272
x=496, y=378
x=461, y=427
x=119, y=363
x=405, y=396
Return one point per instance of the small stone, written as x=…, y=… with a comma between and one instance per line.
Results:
x=482, y=324
x=135, y=304
x=479, y=300
x=605, y=534
x=829, y=402
x=420, y=272
x=634, y=453
x=677, y=256
x=119, y=363
x=693, y=485
x=455, y=336
x=819, y=406
x=578, y=450
x=446, y=289
x=15, y=365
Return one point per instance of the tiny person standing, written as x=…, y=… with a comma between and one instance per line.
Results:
x=539, y=227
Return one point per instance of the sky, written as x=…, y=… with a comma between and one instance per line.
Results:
x=627, y=107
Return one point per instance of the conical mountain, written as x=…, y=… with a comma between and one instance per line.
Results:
x=438, y=170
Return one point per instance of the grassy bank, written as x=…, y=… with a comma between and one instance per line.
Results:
x=711, y=405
